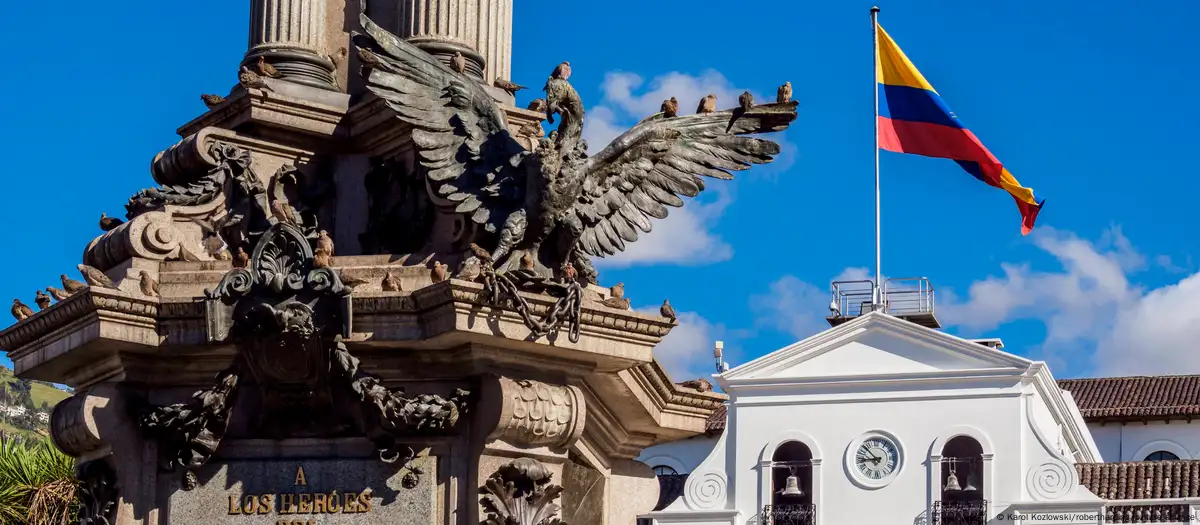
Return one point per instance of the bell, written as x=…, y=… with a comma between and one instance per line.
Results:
x=970, y=483
x=952, y=483
x=792, y=488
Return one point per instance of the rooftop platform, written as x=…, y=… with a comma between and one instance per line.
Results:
x=908, y=298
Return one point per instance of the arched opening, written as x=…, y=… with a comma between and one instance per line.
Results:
x=791, y=485
x=1161, y=455
x=961, y=483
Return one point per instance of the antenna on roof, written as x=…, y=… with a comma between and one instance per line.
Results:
x=722, y=366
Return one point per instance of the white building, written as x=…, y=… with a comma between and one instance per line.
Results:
x=14, y=410
x=874, y=416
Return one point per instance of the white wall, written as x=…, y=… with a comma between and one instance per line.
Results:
x=1132, y=441
x=683, y=455
x=917, y=423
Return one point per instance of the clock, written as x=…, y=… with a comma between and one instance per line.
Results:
x=874, y=459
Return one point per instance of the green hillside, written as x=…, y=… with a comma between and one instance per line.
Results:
x=39, y=391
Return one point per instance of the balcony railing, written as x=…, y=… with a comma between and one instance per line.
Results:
x=908, y=298
x=960, y=512
x=802, y=514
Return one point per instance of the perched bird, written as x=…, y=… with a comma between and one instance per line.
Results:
x=667, y=310
x=148, y=285
x=339, y=57
x=569, y=273
x=481, y=253
x=352, y=282
x=616, y=302
x=267, y=70
x=71, y=286
x=212, y=101
x=390, y=283
x=458, y=63
x=283, y=212
x=508, y=86
x=785, y=93
x=240, y=258
x=527, y=260
x=42, y=300
x=322, y=260
x=618, y=291
x=20, y=311
x=699, y=384
x=95, y=277
x=440, y=272
x=57, y=294
x=368, y=59
x=707, y=105
x=470, y=269
x=563, y=71
x=670, y=107
x=211, y=240
x=746, y=100
x=108, y=223
x=537, y=104
x=249, y=79
x=324, y=243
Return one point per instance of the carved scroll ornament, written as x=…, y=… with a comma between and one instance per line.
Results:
x=539, y=414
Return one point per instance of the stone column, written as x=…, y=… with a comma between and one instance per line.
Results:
x=290, y=34
x=480, y=29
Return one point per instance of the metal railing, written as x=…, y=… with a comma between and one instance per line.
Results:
x=899, y=296
x=801, y=514
x=960, y=512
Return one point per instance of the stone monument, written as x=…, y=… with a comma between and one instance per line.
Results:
x=362, y=290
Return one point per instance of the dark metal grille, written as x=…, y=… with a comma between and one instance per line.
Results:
x=960, y=512
x=803, y=514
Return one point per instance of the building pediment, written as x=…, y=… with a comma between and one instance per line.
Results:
x=875, y=345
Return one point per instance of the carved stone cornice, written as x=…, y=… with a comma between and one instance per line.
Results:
x=91, y=302
x=293, y=108
x=668, y=395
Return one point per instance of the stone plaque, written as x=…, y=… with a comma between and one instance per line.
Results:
x=306, y=492
x=583, y=493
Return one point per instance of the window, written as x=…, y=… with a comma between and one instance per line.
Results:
x=1161, y=455
x=663, y=470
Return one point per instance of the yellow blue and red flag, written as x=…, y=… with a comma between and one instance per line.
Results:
x=914, y=119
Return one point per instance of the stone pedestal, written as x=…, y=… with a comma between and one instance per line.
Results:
x=290, y=35
x=581, y=410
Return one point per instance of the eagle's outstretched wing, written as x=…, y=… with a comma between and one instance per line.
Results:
x=651, y=166
x=458, y=130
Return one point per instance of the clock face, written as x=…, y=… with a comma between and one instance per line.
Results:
x=876, y=458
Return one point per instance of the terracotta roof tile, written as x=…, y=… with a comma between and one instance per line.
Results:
x=716, y=422
x=1138, y=397
x=1141, y=479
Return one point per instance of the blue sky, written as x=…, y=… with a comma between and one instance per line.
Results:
x=1086, y=102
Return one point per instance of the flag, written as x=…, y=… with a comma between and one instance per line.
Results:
x=914, y=119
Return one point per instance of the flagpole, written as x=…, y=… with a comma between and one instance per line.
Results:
x=876, y=295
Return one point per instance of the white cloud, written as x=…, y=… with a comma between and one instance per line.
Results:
x=1098, y=320
x=798, y=307
x=1093, y=313
x=686, y=352
x=685, y=236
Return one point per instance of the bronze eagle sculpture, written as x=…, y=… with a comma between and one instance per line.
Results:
x=555, y=202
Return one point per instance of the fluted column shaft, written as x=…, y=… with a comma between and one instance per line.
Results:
x=480, y=29
x=290, y=34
